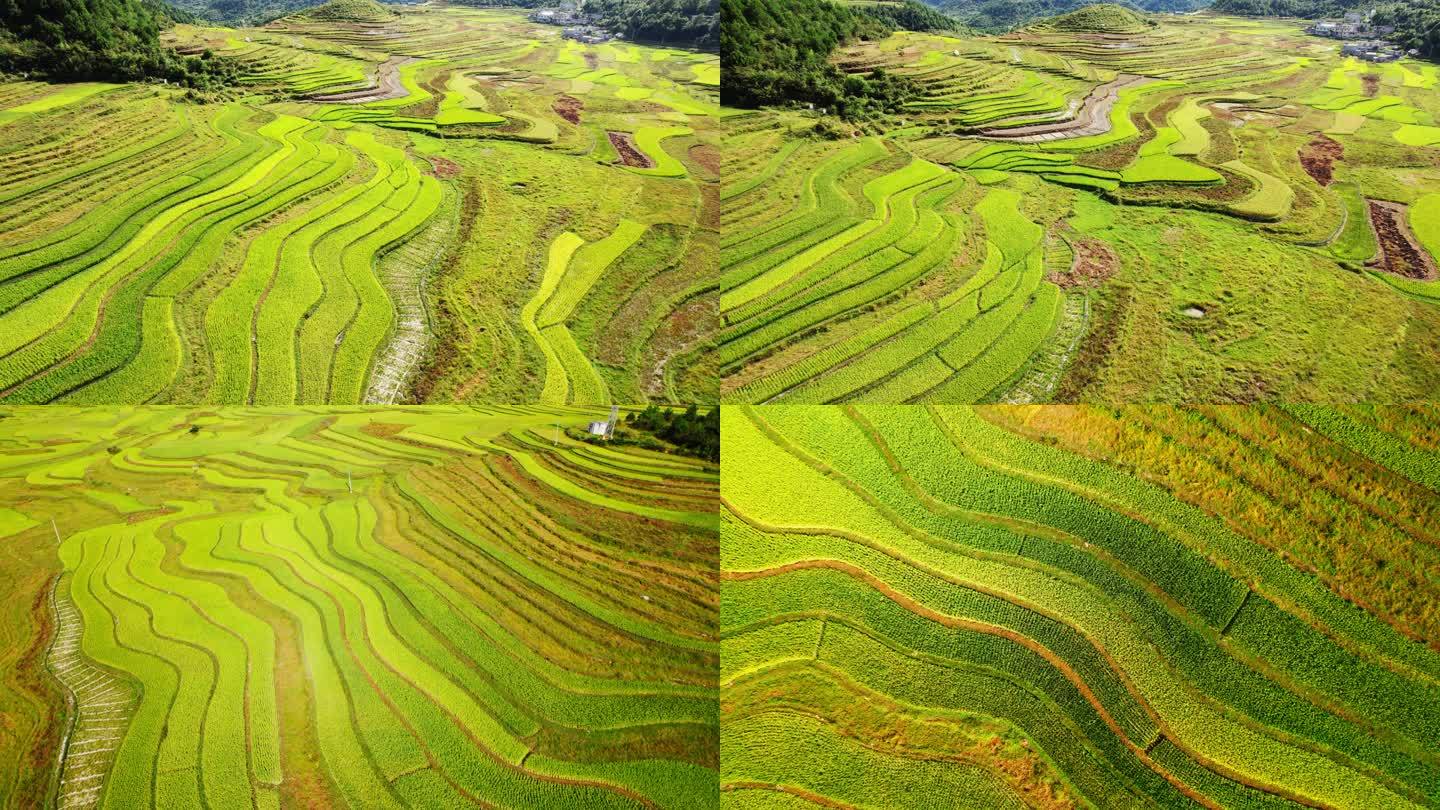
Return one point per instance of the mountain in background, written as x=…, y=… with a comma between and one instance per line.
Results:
x=995, y=16
x=360, y=11
x=1101, y=18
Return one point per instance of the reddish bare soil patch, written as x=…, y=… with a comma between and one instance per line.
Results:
x=569, y=108
x=707, y=156
x=1399, y=252
x=1093, y=263
x=444, y=168
x=1372, y=84
x=629, y=155
x=1319, y=156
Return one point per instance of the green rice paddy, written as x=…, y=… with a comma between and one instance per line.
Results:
x=363, y=221
x=379, y=607
x=1177, y=212
x=1073, y=606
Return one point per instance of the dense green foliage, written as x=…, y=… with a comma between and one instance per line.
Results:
x=693, y=432
x=907, y=15
x=779, y=52
x=668, y=22
x=115, y=40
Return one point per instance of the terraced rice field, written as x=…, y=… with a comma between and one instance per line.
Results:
x=1178, y=211
x=362, y=222
x=368, y=608
x=1076, y=606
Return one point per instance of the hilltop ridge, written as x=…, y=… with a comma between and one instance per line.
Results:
x=1101, y=18
x=347, y=11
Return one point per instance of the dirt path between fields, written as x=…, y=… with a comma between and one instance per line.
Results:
x=1092, y=118
x=387, y=85
x=1400, y=251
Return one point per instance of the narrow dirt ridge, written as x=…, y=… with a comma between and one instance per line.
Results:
x=100, y=706
x=403, y=272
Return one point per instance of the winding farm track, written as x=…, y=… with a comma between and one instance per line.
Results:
x=395, y=607
x=404, y=272
x=1092, y=117
x=385, y=85
x=1107, y=639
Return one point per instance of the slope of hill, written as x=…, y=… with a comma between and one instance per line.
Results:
x=778, y=52
x=994, y=16
x=1102, y=18
x=347, y=11
x=672, y=22
x=98, y=39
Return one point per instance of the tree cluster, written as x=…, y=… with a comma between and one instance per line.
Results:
x=778, y=52
x=692, y=432
x=693, y=23
x=107, y=40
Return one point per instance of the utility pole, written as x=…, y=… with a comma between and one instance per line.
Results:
x=56, y=529
x=348, y=483
x=557, y=435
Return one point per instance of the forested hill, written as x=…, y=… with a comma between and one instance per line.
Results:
x=694, y=23
x=115, y=40
x=778, y=52
x=994, y=16
x=1417, y=22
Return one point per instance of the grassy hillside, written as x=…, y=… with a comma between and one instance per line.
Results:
x=347, y=11
x=997, y=16
x=1101, y=18
x=384, y=608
